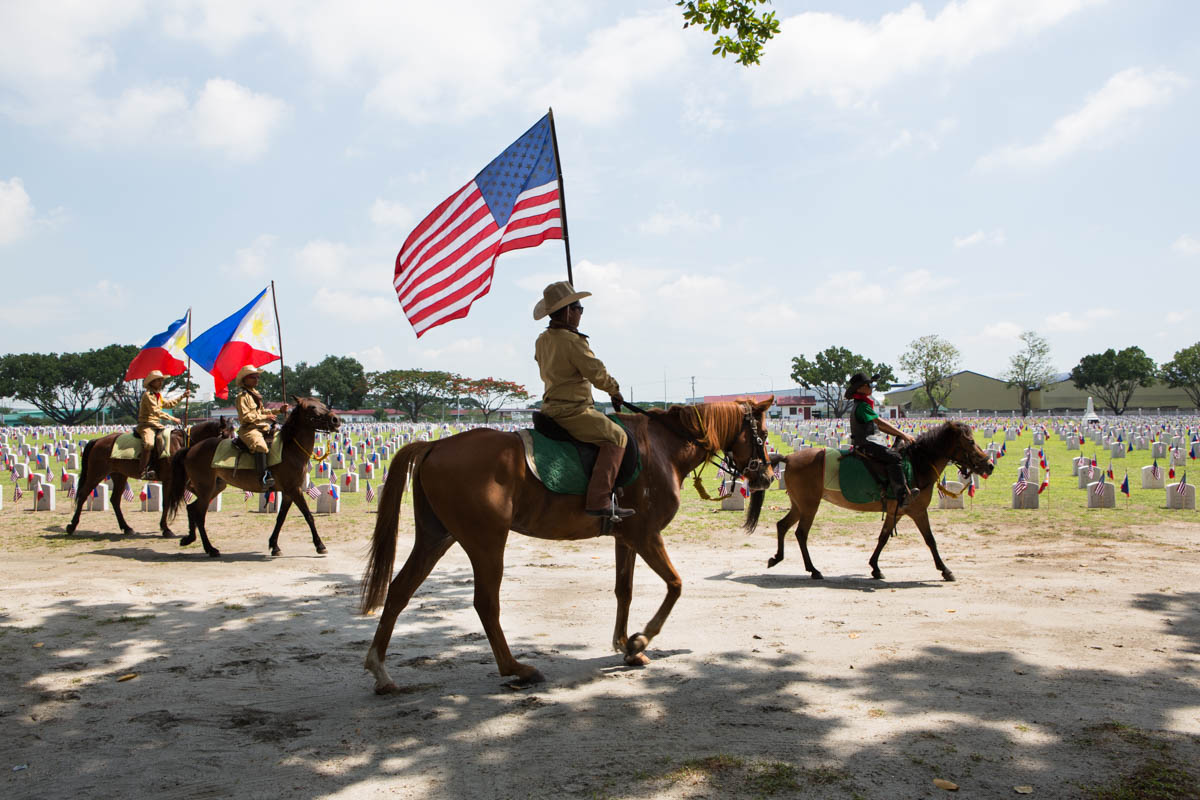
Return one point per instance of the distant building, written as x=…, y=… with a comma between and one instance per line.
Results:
x=789, y=404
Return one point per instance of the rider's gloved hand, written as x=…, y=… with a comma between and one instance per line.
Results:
x=617, y=401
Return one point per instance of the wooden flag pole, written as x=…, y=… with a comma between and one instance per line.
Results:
x=279, y=337
x=562, y=198
x=187, y=386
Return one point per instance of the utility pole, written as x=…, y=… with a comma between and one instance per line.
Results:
x=693, y=390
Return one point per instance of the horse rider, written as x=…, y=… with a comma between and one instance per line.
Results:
x=255, y=420
x=569, y=371
x=865, y=422
x=152, y=421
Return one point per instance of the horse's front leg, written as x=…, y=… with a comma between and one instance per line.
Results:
x=654, y=553
x=302, y=504
x=626, y=560
x=284, y=506
x=921, y=518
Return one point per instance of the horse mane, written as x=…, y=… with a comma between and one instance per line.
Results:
x=932, y=444
x=706, y=424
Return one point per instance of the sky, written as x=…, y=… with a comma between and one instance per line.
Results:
x=970, y=169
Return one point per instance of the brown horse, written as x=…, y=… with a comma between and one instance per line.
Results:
x=804, y=478
x=473, y=488
x=195, y=462
x=97, y=464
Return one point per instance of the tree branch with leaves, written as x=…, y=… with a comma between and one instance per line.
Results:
x=1029, y=368
x=933, y=361
x=1183, y=372
x=750, y=27
x=1114, y=376
x=828, y=373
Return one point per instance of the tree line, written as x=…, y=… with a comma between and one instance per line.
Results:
x=74, y=388
x=932, y=361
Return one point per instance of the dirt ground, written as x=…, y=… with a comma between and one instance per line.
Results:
x=1062, y=661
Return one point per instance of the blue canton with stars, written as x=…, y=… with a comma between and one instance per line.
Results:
x=529, y=161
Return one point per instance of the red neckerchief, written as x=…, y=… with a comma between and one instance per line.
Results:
x=866, y=398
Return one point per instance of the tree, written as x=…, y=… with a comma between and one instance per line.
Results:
x=1029, y=368
x=490, y=394
x=339, y=381
x=828, y=374
x=933, y=361
x=411, y=389
x=63, y=387
x=1183, y=372
x=1114, y=376
x=752, y=29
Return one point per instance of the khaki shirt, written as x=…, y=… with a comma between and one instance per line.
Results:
x=570, y=369
x=251, y=413
x=151, y=413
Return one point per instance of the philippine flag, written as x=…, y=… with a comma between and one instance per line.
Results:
x=247, y=337
x=164, y=352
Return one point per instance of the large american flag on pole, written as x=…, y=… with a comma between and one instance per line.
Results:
x=446, y=262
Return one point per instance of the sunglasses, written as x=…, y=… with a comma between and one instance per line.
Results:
x=576, y=306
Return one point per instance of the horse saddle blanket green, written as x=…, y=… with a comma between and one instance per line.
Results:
x=559, y=463
x=226, y=456
x=128, y=446
x=851, y=477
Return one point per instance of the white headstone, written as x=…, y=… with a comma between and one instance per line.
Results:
x=1187, y=500
x=1026, y=499
x=735, y=501
x=1117, y=450
x=153, y=501
x=327, y=503
x=349, y=483
x=215, y=503
x=268, y=503
x=1158, y=450
x=98, y=501
x=46, y=501
x=1151, y=482
x=1087, y=476
x=1107, y=497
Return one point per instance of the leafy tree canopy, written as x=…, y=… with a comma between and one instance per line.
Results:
x=410, y=390
x=1183, y=372
x=828, y=373
x=750, y=27
x=1029, y=368
x=490, y=394
x=1113, y=376
x=933, y=361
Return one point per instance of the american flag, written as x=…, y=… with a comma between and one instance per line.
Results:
x=1022, y=484
x=312, y=491
x=1099, y=490
x=446, y=263
x=1155, y=472
x=370, y=493
x=1181, y=488
x=17, y=493
x=188, y=497
x=245, y=497
x=128, y=493
x=71, y=492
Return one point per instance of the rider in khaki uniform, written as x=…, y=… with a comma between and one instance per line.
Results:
x=569, y=370
x=152, y=420
x=255, y=420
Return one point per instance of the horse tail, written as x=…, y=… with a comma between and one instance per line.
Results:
x=753, y=510
x=83, y=462
x=387, y=522
x=777, y=459
x=178, y=483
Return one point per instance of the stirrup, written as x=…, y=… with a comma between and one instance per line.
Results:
x=268, y=480
x=614, y=513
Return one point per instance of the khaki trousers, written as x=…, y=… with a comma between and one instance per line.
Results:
x=254, y=441
x=587, y=424
x=154, y=440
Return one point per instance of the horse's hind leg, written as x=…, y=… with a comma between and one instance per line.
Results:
x=889, y=527
x=654, y=553
x=284, y=506
x=118, y=490
x=487, y=560
x=781, y=529
x=921, y=518
x=83, y=490
x=807, y=515
x=430, y=544
x=626, y=559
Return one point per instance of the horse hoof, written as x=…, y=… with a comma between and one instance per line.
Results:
x=387, y=688
x=636, y=644
x=127, y=531
x=638, y=660
x=948, y=575
x=170, y=535
x=817, y=576
x=70, y=528
x=214, y=553
x=185, y=541
x=321, y=550
x=772, y=561
x=534, y=677
x=877, y=575
x=275, y=551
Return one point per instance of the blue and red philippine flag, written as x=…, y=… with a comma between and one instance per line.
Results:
x=249, y=336
x=446, y=263
x=164, y=352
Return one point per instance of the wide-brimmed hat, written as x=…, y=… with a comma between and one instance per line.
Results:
x=249, y=369
x=857, y=380
x=153, y=376
x=555, y=296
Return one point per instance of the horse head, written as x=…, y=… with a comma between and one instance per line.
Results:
x=965, y=451
x=314, y=414
x=748, y=455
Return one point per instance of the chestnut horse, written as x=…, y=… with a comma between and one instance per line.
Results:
x=804, y=479
x=473, y=488
x=195, y=462
x=97, y=463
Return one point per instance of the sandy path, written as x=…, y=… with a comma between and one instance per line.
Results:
x=1054, y=662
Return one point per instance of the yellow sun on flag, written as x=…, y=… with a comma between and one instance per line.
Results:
x=258, y=327
x=181, y=341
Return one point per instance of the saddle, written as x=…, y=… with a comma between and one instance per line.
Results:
x=587, y=453
x=876, y=468
x=240, y=446
x=860, y=478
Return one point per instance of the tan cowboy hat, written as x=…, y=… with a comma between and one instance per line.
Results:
x=151, y=378
x=555, y=296
x=249, y=369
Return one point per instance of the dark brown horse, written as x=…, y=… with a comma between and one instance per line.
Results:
x=474, y=488
x=804, y=478
x=195, y=462
x=97, y=464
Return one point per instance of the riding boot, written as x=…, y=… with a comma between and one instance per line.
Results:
x=147, y=472
x=899, y=485
x=260, y=464
x=600, y=501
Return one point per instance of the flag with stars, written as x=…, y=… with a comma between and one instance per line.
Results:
x=164, y=352
x=248, y=336
x=446, y=263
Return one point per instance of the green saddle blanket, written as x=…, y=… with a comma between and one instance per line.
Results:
x=851, y=477
x=127, y=447
x=556, y=464
x=226, y=456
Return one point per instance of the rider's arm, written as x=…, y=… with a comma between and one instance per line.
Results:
x=891, y=430
x=592, y=368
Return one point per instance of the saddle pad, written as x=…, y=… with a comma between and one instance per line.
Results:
x=226, y=456
x=127, y=447
x=851, y=477
x=556, y=464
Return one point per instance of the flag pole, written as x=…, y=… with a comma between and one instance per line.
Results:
x=279, y=336
x=562, y=198
x=187, y=386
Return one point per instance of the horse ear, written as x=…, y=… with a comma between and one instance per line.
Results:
x=296, y=398
x=765, y=404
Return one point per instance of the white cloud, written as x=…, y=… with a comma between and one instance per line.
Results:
x=1067, y=321
x=847, y=60
x=1006, y=331
x=1105, y=115
x=930, y=140
x=671, y=219
x=392, y=215
x=341, y=305
x=1187, y=245
x=1175, y=317
x=235, y=120
x=254, y=261
x=16, y=211
x=994, y=238
x=372, y=358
